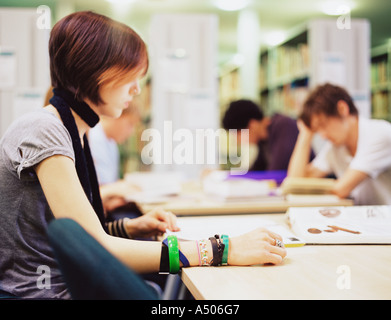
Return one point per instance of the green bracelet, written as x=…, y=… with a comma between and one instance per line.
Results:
x=173, y=253
x=225, y=240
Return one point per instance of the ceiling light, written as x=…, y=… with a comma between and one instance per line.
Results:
x=121, y=1
x=336, y=8
x=231, y=5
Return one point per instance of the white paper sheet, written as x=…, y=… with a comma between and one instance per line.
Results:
x=195, y=228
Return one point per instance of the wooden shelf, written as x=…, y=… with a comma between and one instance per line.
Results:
x=290, y=70
x=381, y=82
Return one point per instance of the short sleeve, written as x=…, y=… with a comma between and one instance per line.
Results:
x=33, y=138
x=373, y=154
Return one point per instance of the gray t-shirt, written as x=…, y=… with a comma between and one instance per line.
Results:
x=27, y=265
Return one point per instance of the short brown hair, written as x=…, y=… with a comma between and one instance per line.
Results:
x=88, y=50
x=323, y=100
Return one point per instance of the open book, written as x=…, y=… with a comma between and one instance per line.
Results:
x=292, y=185
x=196, y=228
x=342, y=225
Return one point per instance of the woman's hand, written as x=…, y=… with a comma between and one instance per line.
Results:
x=153, y=223
x=255, y=247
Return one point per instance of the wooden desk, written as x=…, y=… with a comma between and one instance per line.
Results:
x=309, y=272
x=192, y=201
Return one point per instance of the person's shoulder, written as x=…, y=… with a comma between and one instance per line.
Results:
x=375, y=123
x=37, y=125
x=283, y=119
x=39, y=120
x=283, y=124
x=35, y=118
x=378, y=128
x=40, y=115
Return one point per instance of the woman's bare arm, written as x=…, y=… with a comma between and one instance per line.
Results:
x=67, y=199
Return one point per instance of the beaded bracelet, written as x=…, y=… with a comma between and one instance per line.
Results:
x=219, y=250
x=203, y=253
x=199, y=253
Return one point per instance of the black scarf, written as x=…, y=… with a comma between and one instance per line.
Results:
x=63, y=101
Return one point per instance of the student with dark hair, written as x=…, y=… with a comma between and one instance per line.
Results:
x=47, y=172
x=358, y=150
x=274, y=136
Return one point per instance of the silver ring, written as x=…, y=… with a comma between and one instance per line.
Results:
x=279, y=243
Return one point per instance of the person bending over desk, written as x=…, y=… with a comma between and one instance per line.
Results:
x=47, y=172
x=358, y=150
x=274, y=136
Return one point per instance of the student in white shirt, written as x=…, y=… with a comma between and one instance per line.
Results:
x=358, y=150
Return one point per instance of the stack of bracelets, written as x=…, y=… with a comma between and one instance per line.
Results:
x=171, y=256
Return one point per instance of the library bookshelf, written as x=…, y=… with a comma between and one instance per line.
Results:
x=316, y=52
x=381, y=81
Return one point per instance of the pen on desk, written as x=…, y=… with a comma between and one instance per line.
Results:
x=343, y=229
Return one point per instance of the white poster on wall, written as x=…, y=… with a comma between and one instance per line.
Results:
x=332, y=68
x=176, y=70
x=7, y=68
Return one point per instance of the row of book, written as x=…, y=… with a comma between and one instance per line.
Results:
x=286, y=63
x=381, y=105
x=379, y=73
x=287, y=99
